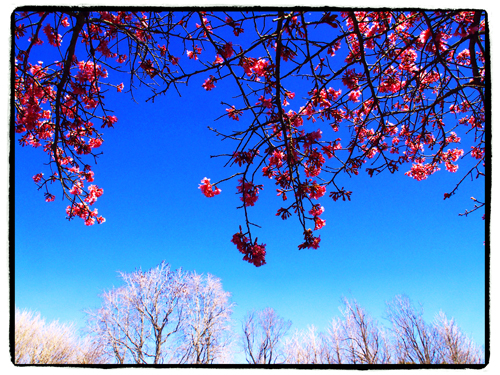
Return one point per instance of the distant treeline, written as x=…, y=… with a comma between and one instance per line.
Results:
x=166, y=316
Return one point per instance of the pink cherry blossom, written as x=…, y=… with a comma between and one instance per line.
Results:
x=209, y=83
x=207, y=189
x=38, y=177
x=354, y=95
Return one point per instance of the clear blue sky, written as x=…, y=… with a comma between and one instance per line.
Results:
x=396, y=235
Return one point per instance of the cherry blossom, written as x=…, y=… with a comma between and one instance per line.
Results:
x=207, y=189
x=388, y=91
x=38, y=177
x=209, y=83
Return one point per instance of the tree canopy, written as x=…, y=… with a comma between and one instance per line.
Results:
x=317, y=94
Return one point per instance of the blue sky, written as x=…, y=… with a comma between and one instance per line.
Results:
x=396, y=235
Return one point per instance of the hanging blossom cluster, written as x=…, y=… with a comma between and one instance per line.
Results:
x=78, y=137
x=253, y=253
x=207, y=189
x=383, y=90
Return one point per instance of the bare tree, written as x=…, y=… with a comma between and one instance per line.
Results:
x=357, y=338
x=364, y=341
x=453, y=345
x=206, y=330
x=37, y=342
x=415, y=341
x=164, y=316
x=138, y=321
x=263, y=332
x=332, y=342
x=304, y=347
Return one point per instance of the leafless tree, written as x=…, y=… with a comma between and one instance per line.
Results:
x=454, y=347
x=332, y=342
x=139, y=319
x=206, y=331
x=356, y=339
x=263, y=332
x=415, y=341
x=304, y=347
x=164, y=316
x=364, y=341
x=37, y=342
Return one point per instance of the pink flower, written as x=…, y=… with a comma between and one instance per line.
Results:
x=453, y=155
x=95, y=142
x=54, y=39
x=408, y=58
x=75, y=169
x=424, y=36
x=266, y=103
x=90, y=221
x=318, y=223
x=94, y=193
x=450, y=167
x=109, y=121
x=89, y=72
x=218, y=60
x=249, y=192
x=464, y=57
x=452, y=138
x=209, y=83
x=227, y=51
x=207, y=189
x=254, y=253
x=477, y=152
x=174, y=60
x=317, y=210
x=207, y=25
x=38, y=177
x=89, y=176
x=316, y=191
x=244, y=157
x=192, y=54
x=276, y=159
x=49, y=197
x=312, y=137
x=76, y=189
x=253, y=66
x=354, y=95
x=421, y=171
x=233, y=113
x=310, y=241
x=163, y=50
x=311, y=170
x=351, y=79
x=330, y=149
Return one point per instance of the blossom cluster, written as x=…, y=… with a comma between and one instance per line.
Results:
x=253, y=252
x=207, y=189
x=249, y=192
x=310, y=241
x=421, y=171
x=82, y=210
